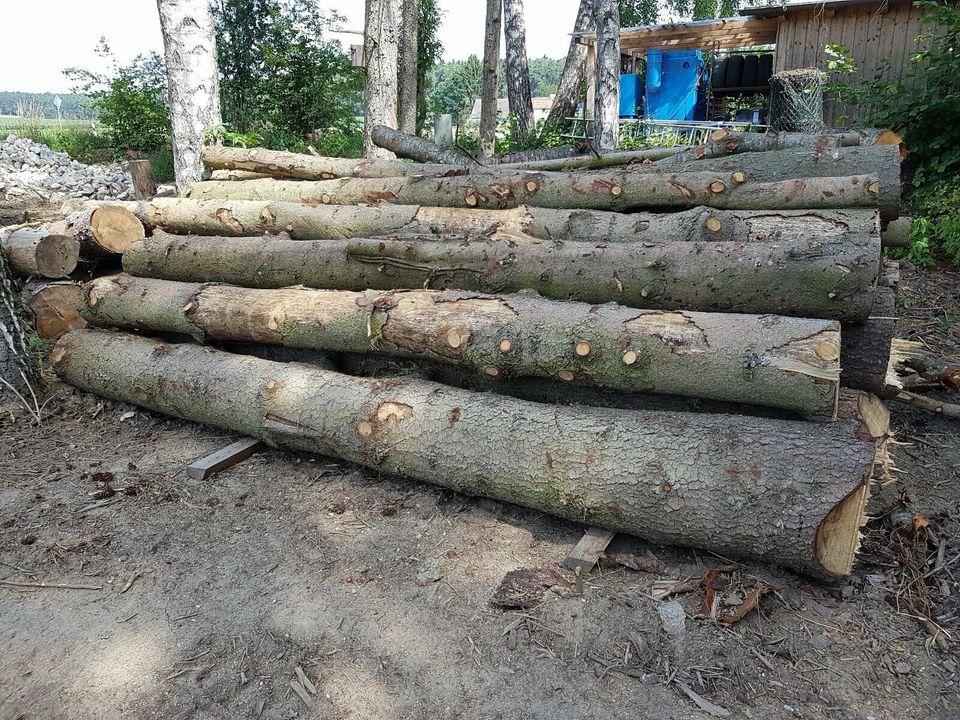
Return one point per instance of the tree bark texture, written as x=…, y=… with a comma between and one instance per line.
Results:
x=380, y=93
x=882, y=161
x=18, y=367
x=795, y=363
x=865, y=347
x=407, y=97
x=570, y=90
x=726, y=142
x=519, y=97
x=38, y=252
x=281, y=164
x=593, y=161
x=616, y=191
x=606, y=108
x=896, y=233
x=488, y=93
x=239, y=218
x=141, y=174
x=415, y=147
x=832, y=279
x=193, y=85
x=55, y=307
x=785, y=492
x=520, y=158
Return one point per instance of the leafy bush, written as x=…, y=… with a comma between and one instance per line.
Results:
x=128, y=99
x=935, y=207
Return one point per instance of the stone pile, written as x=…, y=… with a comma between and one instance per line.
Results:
x=31, y=168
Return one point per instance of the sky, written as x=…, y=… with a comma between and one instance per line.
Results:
x=46, y=36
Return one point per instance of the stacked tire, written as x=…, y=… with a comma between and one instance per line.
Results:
x=739, y=71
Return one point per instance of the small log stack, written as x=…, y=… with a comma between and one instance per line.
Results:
x=744, y=276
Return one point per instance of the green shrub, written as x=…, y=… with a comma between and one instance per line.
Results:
x=161, y=163
x=935, y=208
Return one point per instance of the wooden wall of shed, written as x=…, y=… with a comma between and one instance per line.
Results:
x=874, y=35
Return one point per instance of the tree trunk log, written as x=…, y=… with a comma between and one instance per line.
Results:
x=591, y=161
x=141, y=173
x=882, y=161
x=382, y=22
x=726, y=142
x=896, y=233
x=55, y=306
x=521, y=158
x=38, y=252
x=865, y=348
x=415, y=147
x=570, y=90
x=488, y=92
x=193, y=85
x=795, y=363
x=103, y=230
x=519, y=97
x=621, y=192
x=407, y=96
x=18, y=366
x=239, y=218
x=667, y=477
x=281, y=164
x=606, y=107
x=830, y=278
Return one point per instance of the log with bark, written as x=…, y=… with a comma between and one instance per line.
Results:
x=832, y=278
x=617, y=191
x=281, y=164
x=865, y=347
x=593, y=161
x=668, y=477
x=793, y=363
x=103, y=230
x=237, y=218
x=918, y=367
x=883, y=161
x=896, y=233
x=40, y=252
x=727, y=142
x=55, y=307
x=18, y=365
x=415, y=147
x=488, y=93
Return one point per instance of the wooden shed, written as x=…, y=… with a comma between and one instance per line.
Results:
x=881, y=36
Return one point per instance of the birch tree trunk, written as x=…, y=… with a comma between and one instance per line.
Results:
x=606, y=109
x=380, y=51
x=407, y=99
x=488, y=95
x=574, y=69
x=724, y=483
x=193, y=84
x=518, y=71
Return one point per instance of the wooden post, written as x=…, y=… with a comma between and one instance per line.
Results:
x=591, y=80
x=141, y=172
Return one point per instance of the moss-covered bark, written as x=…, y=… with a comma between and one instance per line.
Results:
x=830, y=279
x=779, y=491
x=789, y=363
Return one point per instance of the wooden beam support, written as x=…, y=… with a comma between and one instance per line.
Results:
x=223, y=458
x=587, y=552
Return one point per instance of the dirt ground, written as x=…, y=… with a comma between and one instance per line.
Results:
x=201, y=599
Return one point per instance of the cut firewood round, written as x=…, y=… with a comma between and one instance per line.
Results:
x=40, y=252
x=105, y=230
x=55, y=306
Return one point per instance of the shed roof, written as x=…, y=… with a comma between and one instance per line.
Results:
x=773, y=11
x=724, y=33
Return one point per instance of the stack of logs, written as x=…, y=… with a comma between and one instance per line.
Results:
x=682, y=344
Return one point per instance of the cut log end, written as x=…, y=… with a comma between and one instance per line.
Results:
x=115, y=228
x=838, y=538
x=714, y=224
x=582, y=348
x=505, y=345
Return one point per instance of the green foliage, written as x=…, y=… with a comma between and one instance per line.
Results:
x=128, y=99
x=935, y=207
x=429, y=52
x=281, y=78
x=73, y=105
x=454, y=87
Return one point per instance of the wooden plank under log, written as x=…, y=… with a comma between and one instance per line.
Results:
x=224, y=458
x=588, y=550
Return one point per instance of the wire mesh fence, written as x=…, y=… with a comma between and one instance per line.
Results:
x=796, y=100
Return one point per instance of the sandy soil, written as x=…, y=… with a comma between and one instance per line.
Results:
x=209, y=595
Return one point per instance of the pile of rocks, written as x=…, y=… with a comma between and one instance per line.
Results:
x=31, y=168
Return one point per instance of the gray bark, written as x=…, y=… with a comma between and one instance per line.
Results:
x=239, y=218
x=518, y=71
x=865, y=346
x=617, y=191
x=18, y=368
x=407, y=97
x=415, y=147
x=488, y=94
x=718, y=482
x=193, y=85
x=380, y=93
x=606, y=108
x=570, y=90
x=726, y=142
x=896, y=233
x=795, y=361
x=883, y=161
x=831, y=278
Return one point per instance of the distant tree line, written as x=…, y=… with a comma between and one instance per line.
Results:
x=74, y=105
